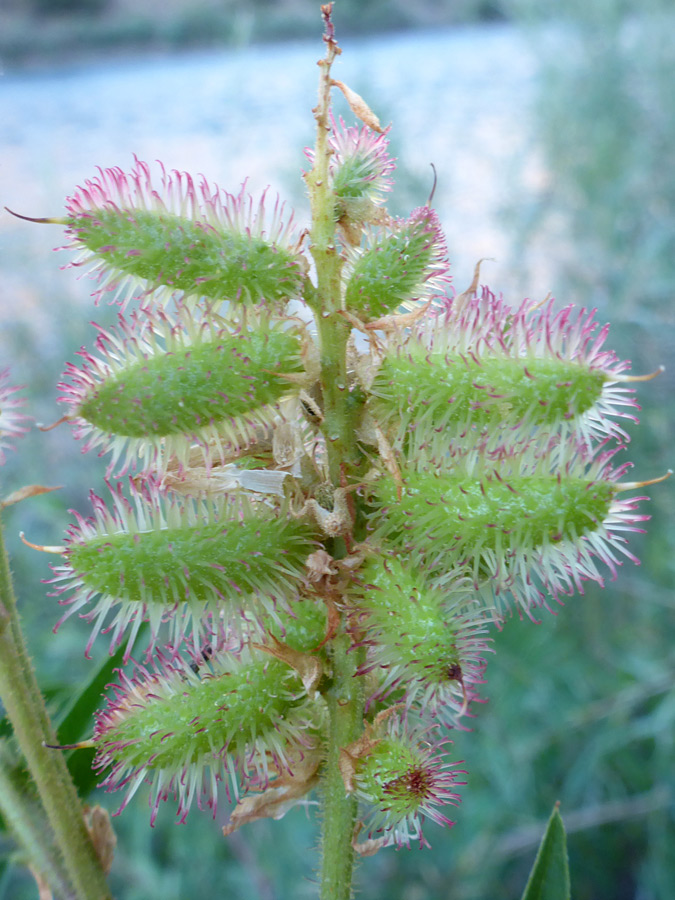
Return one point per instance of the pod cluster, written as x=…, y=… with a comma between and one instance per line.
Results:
x=480, y=481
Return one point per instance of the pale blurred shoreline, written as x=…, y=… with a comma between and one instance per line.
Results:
x=233, y=115
x=47, y=33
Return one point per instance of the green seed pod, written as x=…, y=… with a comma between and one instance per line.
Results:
x=180, y=560
x=360, y=169
x=519, y=528
x=398, y=267
x=248, y=718
x=182, y=237
x=500, y=373
x=422, y=641
x=403, y=778
x=453, y=395
x=159, y=386
x=302, y=625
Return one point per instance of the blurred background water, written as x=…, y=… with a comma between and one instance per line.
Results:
x=553, y=137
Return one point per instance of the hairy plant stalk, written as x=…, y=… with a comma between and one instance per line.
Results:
x=26, y=711
x=338, y=813
x=25, y=816
x=345, y=700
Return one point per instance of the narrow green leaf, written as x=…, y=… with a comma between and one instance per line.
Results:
x=76, y=721
x=84, y=777
x=5, y=875
x=550, y=877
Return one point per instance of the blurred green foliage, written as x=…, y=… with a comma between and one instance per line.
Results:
x=606, y=127
x=49, y=29
x=59, y=7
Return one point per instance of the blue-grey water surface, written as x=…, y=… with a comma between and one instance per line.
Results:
x=458, y=98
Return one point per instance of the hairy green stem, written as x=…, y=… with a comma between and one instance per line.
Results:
x=345, y=698
x=345, y=706
x=27, y=713
x=23, y=812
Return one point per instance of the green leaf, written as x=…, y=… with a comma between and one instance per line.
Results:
x=76, y=721
x=550, y=877
x=5, y=875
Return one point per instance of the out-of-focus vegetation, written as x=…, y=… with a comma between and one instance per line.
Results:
x=606, y=125
x=39, y=31
x=581, y=708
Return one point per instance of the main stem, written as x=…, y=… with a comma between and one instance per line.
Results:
x=345, y=698
x=24, y=814
x=27, y=713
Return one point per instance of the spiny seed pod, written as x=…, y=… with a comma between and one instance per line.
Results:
x=301, y=625
x=402, y=780
x=245, y=719
x=423, y=643
x=519, y=526
x=177, y=559
x=183, y=237
x=158, y=386
x=11, y=421
x=399, y=266
x=361, y=171
x=501, y=372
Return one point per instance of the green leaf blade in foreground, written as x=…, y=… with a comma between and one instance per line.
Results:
x=76, y=721
x=550, y=877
